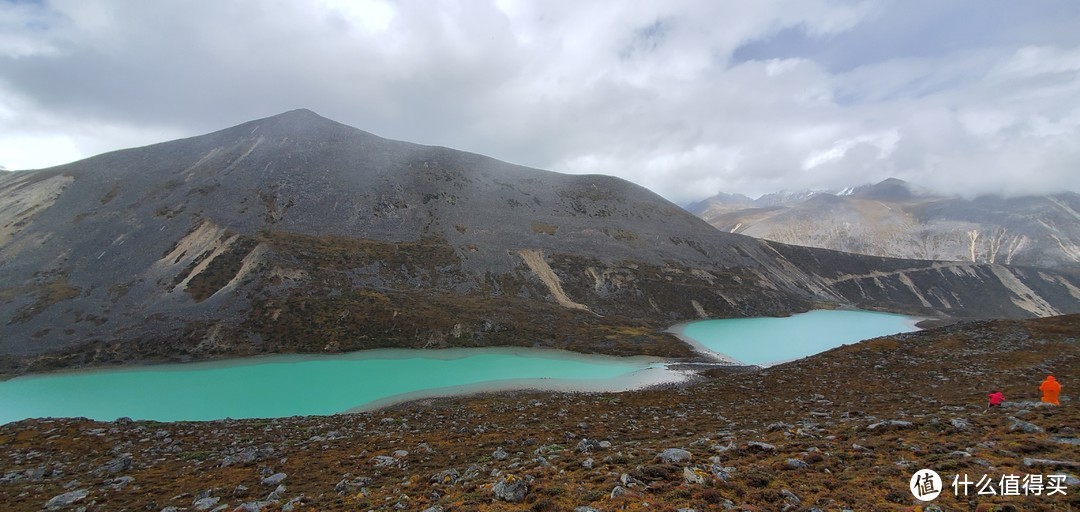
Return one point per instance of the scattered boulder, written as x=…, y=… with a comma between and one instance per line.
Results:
x=251, y=506
x=246, y=456
x=278, y=494
x=1024, y=404
x=694, y=475
x=205, y=503
x=758, y=447
x=1023, y=426
x=721, y=448
x=290, y=506
x=510, y=489
x=383, y=461
x=117, y=465
x=795, y=464
x=445, y=477
x=121, y=482
x=790, y=498
x=66, y=499
x=587, y=445
x=499, y=454
x=721, y=473
x=674, y=456
x=629, y=481
x=773, y=427
x=1051, y=463
x=890, y=425
x=274, y=479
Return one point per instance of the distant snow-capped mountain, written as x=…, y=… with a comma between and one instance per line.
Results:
x=897, y=219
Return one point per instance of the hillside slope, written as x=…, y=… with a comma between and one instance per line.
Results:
x=896, y=219
x=297, y=233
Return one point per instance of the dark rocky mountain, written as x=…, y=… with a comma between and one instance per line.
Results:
x=297, y=233
x=896, y=219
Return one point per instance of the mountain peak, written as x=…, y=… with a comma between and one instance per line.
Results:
x=298, y=119
x=298, y=124
x=891, y=189
x=299, y=113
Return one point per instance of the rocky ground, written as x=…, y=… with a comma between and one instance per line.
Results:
x=844, y=430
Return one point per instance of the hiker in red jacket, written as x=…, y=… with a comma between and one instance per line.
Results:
x=1050, y=388
x=995, y=399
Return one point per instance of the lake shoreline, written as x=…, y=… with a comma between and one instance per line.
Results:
x=381, y=378
x=320, y=384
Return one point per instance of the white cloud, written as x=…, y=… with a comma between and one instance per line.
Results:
x=649, y=91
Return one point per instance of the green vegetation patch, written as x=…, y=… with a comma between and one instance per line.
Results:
x=339, y=252
x=544, y=228
x=47, y=294
x=221, y=270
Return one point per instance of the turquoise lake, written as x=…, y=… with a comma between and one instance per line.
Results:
x=291, y=385
x=765, y=341
x=277, y=386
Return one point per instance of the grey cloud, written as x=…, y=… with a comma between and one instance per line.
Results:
x=686, y=97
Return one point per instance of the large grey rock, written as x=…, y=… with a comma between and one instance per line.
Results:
x=796, y=464
x=587, y=445
x=252, y=506
x=274, y=479
x=383, y=461
x=445, y=477
x=117, y=465
x=205, y=503
x=66, y=499
x=890, y=425
x=278, y=494
x=759, y=446
x=248, y=455
x=1023, y=426
x=510, y=489
x=1051, y=463
x=674, y=456
x=694, y=476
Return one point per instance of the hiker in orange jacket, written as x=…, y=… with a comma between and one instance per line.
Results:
x=1050, y=388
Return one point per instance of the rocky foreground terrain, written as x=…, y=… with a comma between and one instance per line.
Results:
x=843, y=430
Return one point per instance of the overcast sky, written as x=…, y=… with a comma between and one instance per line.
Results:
x=686, y=98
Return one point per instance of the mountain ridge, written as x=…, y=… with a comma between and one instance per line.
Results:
x=294, y=233
x=897, y=219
